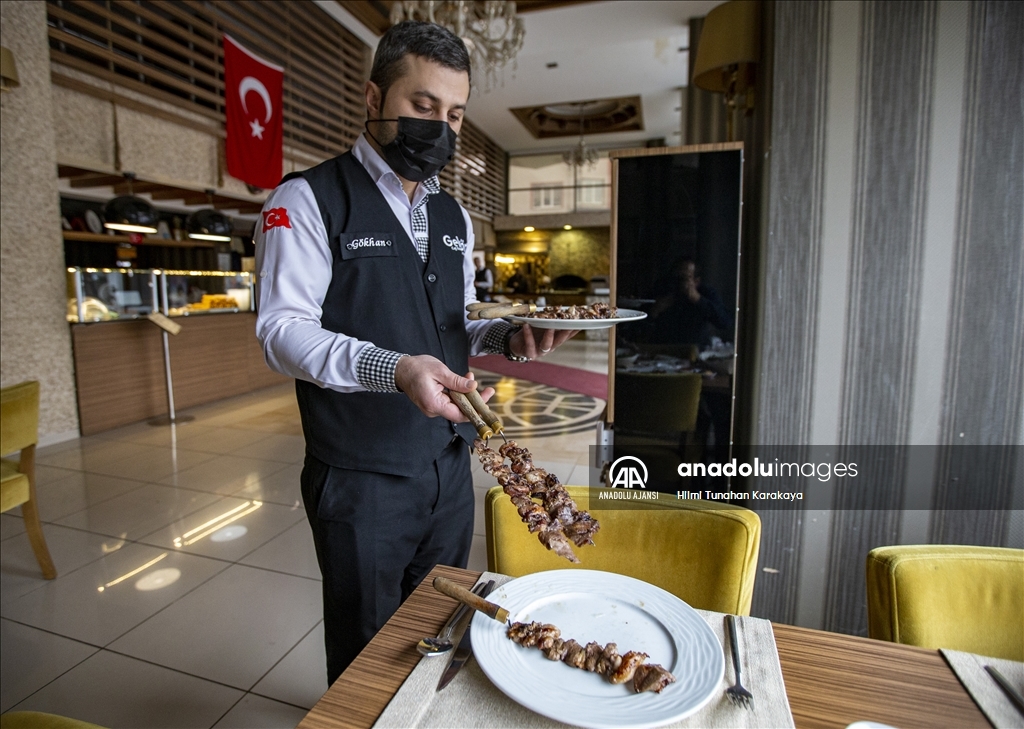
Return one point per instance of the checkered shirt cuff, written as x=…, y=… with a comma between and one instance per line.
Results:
x=375, y=369
x=495, y=337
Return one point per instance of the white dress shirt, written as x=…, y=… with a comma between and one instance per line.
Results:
x=295, y=268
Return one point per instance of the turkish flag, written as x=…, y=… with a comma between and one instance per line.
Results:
x=253, y=94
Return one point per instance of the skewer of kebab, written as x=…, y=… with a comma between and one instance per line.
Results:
x=603, y=660
x=556, y=521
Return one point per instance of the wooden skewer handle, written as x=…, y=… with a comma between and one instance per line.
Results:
x=496, y=312
x=478, y=305
x=470, y=412
x=449, y=588
x=485, y=412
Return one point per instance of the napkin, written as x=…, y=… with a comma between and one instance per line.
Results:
x=970, y=669
x=471, y=700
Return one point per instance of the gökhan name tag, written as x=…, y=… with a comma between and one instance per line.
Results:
x=364, y=245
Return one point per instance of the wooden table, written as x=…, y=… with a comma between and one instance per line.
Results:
x=831, y=679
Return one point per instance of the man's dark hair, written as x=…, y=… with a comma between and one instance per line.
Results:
x=428, y=40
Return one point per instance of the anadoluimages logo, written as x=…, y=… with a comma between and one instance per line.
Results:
x=621, y=473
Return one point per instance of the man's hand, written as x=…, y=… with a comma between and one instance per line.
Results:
x=531, y=343
x=425, y=379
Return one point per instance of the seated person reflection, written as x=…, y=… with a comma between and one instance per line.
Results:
x=688, y=311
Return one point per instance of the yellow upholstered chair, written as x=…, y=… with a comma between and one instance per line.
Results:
x=703, y=552
x=19, y=431
x=38, y=720
x=941, y=596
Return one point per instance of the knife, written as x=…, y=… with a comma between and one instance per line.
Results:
x=1010, y=691
x=465, y=648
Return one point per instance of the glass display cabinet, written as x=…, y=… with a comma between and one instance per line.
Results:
x=109, y=294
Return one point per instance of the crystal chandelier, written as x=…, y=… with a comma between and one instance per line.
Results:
x=492, y=32
x=581, y=155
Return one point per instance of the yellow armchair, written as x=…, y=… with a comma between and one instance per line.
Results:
x=19, y=431
x=941, y=596
x=705, y=553
x=39, y=720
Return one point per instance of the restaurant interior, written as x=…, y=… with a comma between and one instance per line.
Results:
x=801, y=429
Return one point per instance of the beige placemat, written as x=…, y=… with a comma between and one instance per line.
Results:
x=996, y=705
x=471, y=700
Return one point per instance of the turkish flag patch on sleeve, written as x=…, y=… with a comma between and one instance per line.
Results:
x=276, y=218
x=254, y=116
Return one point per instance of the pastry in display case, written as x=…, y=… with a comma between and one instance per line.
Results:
x=107, y=294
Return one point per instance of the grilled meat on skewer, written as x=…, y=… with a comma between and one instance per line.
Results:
x=593, y=657
x=556, y=521
x=594, y=311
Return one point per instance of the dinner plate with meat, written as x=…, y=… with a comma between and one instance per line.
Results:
x=595, y=316
x=576, y=634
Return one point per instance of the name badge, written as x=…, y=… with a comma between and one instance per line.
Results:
x=455, y=243
x=366, y=245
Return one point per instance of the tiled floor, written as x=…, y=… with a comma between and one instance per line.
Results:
x=188, y=592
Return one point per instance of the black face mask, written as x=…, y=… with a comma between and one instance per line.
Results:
x=420, y=149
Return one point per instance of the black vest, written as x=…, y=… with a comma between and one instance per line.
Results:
x=382, y=292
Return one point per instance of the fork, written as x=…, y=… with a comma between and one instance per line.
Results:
x=737, y=694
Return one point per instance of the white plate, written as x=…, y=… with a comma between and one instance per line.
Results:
x=624, y=315
x=93, y=222
x=600, y=606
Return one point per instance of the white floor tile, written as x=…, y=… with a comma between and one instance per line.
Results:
x=225, y=475
x=292, y=552
x=227, y=529
x=32, y=658
x=285, y=448
x=11, y=524
x=478, y=554
x=107, y=598
x=301, y=676
x=69, y=548
x=214, y=440
x=282, y=487
x=251, y=619
x=139, y=512
x=256, y=712
x=152, y=466
x=118, y=692
x=78, y=490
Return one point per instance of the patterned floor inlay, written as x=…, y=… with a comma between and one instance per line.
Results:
x=529, y=409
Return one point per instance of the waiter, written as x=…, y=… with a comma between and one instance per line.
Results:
x=365, y=267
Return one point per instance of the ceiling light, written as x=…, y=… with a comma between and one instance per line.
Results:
x=504, y=259
x=566, y=227
x=529, y=229
x=129, y=213
x=209, y=224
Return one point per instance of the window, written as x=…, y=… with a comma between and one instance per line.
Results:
x=546, y=197
x=590, y=193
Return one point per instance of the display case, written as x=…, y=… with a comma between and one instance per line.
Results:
x=107, y=294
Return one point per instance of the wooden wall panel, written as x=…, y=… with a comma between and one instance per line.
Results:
x=120, y=372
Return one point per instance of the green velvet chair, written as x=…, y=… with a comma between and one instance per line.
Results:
x=19, y=431
x=703, y=552
x=942, y=596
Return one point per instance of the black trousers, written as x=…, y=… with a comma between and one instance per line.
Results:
x=377, y=536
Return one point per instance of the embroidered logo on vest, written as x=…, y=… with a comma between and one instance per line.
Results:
x=368, y=242
x=455, y=243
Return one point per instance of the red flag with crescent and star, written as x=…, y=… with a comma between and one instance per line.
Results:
x=253, y=94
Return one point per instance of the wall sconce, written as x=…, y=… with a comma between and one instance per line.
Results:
x=8, y=70
x=728, y=52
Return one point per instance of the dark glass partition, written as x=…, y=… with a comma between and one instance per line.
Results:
x=677, y=237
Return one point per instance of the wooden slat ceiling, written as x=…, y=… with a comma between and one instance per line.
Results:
x=375, y=14
x=83, y=178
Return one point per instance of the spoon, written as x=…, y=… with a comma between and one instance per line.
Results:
x=442, y=643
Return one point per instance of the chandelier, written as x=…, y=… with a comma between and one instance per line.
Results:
x=492, y=32
x=581, y=155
